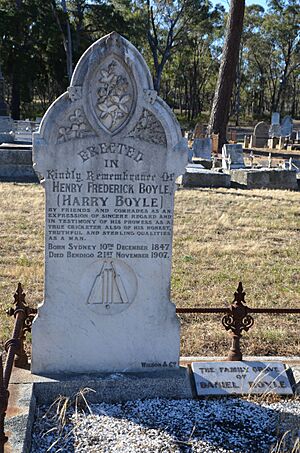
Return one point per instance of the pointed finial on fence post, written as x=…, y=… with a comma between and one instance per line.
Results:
x=237, y=319
x=27, y=315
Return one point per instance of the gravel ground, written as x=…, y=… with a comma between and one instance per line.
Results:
x=159, y=425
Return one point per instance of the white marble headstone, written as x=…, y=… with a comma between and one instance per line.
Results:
x=232, y=156
x=108, y=151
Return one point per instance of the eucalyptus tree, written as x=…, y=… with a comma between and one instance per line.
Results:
x=282, y=25
x=168, y=23
x=227, y=72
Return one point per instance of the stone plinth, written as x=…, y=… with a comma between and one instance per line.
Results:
x=200, y=177
x=16, y=165
x=264, y=178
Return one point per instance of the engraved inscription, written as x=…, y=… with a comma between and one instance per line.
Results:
x=78, y=127
x=149, y=129
x=115, y=98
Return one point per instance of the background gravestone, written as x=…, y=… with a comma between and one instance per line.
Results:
x=109, y=151
x=202, y=148
x=275, y=129
x=6, y=123
x=260, y=136
x=286, y=126
x=232, y=156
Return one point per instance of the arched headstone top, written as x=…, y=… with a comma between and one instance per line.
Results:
x=261, y=129
x=111, y=93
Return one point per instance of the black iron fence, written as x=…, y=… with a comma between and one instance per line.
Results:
x=237, y=318
x=15, y=353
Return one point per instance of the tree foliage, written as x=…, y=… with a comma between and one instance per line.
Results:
x=182, y=41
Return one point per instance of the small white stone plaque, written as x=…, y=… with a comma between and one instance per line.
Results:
x=231, y=378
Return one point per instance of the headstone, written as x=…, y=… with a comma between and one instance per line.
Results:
x=232, y=136
x=215, y=143
x=260, y=136
x=199, y=131
x=202, y=148
x=275, y=118
x=240, y=378
x=232, y=156
x=6, y=123
x=108, y=152
x=286, y=126
x=275, y=128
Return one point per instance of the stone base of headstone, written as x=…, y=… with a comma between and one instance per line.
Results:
x=204, y=162
x=28, y=390
x=257, y=142
x=16, y=166
x=263, y=178
x=200, y=177
x=6, y=137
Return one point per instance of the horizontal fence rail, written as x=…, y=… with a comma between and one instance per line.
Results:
x=280, y=311
x=237, y=318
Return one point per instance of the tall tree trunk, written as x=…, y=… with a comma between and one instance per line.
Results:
x=221, y=104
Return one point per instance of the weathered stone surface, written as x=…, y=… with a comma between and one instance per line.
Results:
x=264, y=178
x=19, y=417
x=232, y=156
x=286, y=126
x=16, y=166
x=228, y=378
x=200, y=177
x=6, y=129
x=260, y=136
x=202, y=148
x=275, y=118
x=109, y=151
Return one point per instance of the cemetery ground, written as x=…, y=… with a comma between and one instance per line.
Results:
x=221, y=236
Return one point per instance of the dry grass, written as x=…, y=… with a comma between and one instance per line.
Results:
x=221, y=236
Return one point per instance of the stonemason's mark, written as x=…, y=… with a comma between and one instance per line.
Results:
x=77, y=128
x=149, y=129
x=108, y=287
x=114, y=98
x=112, y=148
